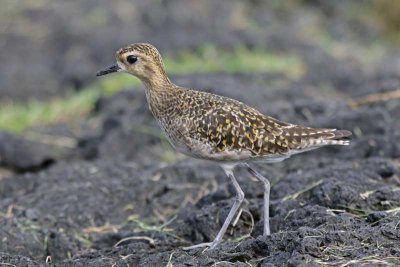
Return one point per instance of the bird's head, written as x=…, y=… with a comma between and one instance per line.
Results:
x=141, y=60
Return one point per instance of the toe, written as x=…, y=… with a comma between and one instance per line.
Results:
x=201, y=245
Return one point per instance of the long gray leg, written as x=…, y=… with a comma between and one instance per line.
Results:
x=267, y=188
x=238, y=201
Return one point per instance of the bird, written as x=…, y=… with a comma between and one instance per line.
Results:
x=216, y=128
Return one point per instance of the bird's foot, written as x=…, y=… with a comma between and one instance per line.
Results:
x=206, y=246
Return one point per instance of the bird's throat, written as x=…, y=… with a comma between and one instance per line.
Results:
x=160, y=96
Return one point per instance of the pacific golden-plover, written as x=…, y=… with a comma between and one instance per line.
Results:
x=217, y=128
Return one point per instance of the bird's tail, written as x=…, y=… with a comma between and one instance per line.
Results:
x=303, y=138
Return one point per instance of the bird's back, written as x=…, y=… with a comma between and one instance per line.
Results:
x=214, y=127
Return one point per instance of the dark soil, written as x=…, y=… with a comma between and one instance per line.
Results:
x=112, y=192
x=329, y=206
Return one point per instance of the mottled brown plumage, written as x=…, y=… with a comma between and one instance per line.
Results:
x=218, y=128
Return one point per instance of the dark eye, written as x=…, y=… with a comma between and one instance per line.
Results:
x=131, y=59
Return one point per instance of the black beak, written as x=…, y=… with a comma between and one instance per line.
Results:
x=109, y=69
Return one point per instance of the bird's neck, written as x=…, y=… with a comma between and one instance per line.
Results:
x=157, y=83
x=160, y=95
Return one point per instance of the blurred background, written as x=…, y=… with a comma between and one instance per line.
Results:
x=83, y=164
x=51, y=49
x=312, y=58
